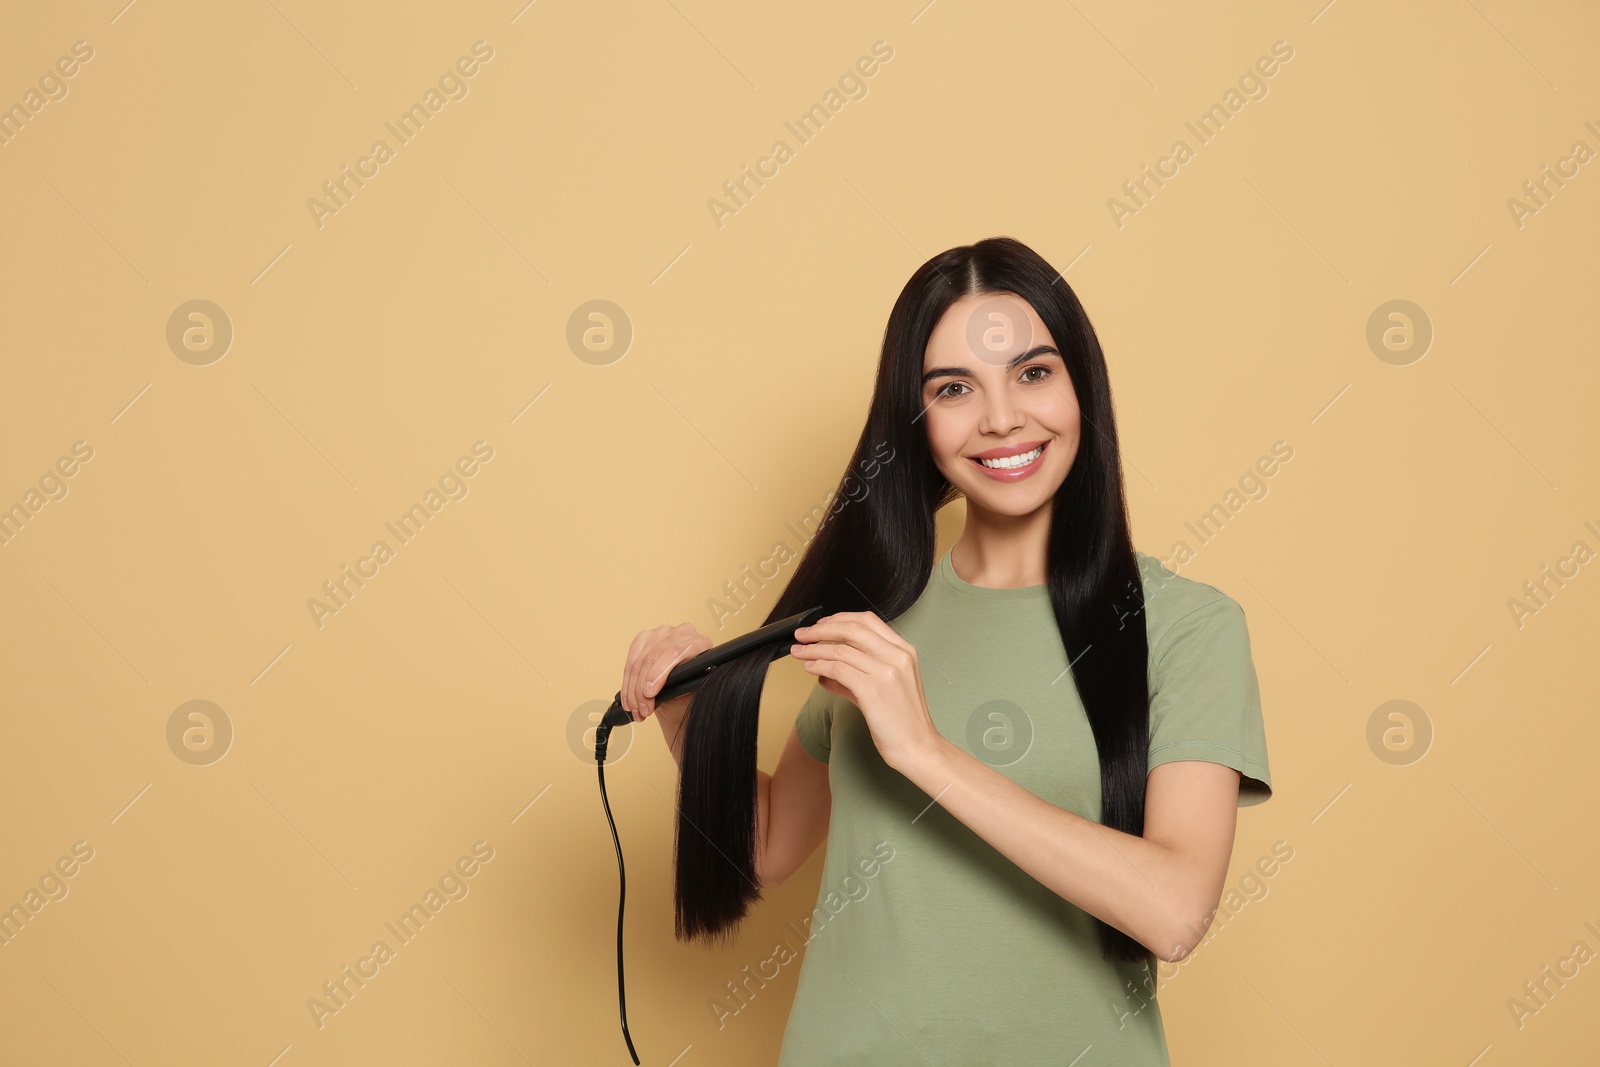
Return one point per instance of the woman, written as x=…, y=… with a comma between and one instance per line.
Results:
x=1026, y=755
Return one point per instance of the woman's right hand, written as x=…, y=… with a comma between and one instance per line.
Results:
x=651, y=658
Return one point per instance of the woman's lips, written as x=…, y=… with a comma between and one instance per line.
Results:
x=1014, y=474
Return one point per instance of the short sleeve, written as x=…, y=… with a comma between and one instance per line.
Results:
x=814, y=724
x=1205, y=701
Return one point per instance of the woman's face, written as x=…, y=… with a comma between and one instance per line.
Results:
x=994, y=385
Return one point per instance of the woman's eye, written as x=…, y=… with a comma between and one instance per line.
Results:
x=947, y=391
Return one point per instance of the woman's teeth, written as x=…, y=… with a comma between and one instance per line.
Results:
x=1013, y=461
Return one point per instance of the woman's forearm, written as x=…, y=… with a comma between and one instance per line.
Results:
x=1134, y=884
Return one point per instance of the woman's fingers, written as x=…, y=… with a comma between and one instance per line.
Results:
x=662, y=666
x=646, y=670
x=637, y=653
x=659, y=668
x=627, y=670
x=863, y=630
x=651, y=657
x=656, y=677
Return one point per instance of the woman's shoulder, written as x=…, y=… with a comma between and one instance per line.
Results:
x=1169, y=596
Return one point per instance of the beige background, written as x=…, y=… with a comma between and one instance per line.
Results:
x=435, y=709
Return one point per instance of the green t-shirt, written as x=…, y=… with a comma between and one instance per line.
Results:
x=929, y=945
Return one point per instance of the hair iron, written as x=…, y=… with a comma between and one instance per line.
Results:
x=684, y=678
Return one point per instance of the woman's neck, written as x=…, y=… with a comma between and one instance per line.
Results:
x=1002, y=551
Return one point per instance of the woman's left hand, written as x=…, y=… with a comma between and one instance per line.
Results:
x=859, y=657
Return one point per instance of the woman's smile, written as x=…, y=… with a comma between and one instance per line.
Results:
x=1010, y=468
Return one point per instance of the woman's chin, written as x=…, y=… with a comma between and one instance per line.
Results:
x=1015, y=503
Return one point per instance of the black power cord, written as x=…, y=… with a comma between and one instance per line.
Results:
x=602, y=735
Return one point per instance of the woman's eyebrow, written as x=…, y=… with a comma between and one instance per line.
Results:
x=963, y=372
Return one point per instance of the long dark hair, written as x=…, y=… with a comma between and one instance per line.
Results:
x=876, y=553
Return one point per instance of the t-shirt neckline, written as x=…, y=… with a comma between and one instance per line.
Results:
x=947, y=571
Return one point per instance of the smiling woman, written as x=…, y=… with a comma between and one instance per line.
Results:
x=1065, y=776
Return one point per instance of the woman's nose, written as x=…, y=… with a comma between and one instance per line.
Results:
x=1000, y=413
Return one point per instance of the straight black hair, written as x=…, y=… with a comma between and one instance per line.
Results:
x=876, y=553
